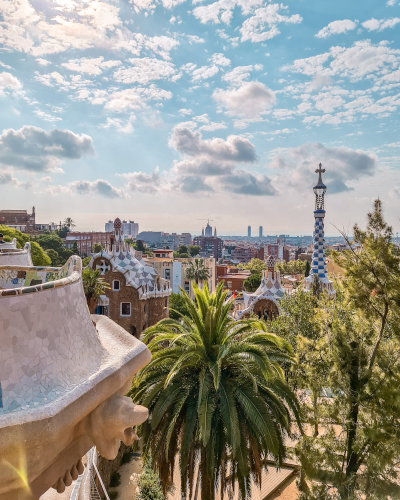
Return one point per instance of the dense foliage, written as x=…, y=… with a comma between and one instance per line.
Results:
x=39, y=256
x=251, y=283
x=93, y=286
x=217, y=396
x=348, y=370
x=255, y=266
x=9, y=234
x=197, y=271
x=291, y=267
x=51, y=241
x=177, y=306
x=149, y=484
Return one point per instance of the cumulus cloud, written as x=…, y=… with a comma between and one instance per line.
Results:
x=375, y=25
x=208, y=165
x=337, y=28
x=8, y=178
x=9, y=81
x=99, y=187
x=142, y=182
x=220, y=60
x=204, y=72
x=263, y=25
x=239, y=74
x=250, y=100
x=144, y=70
x=91, y=66
x=35, y=149
x=343, y=166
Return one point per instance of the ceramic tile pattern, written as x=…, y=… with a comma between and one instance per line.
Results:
x=10, y=255
x=127, y=261
x=48, y=342
x=270, y=288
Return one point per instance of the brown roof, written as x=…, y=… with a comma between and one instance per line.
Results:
x=14, y=211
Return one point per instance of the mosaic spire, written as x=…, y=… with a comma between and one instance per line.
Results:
x=318, y=263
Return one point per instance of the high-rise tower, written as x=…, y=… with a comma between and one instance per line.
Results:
x=318, y=264
x=260, y=232
x=249, y=231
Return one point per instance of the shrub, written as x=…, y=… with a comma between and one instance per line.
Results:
x=115, y=479
x=126, y=458
x=9, y=233
x=39, y=256
x=149, y=485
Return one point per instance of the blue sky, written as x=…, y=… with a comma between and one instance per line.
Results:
x=169, y=111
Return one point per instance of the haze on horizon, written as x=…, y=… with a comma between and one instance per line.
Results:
x=169, y=111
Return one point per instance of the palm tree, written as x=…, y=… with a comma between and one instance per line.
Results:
x=93, y=287
x=70, y=223
x=197, y=271
x=217, y=397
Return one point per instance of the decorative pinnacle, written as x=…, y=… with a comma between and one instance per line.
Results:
x=320, y=171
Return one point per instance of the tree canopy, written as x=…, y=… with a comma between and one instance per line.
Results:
x=217, y=396
x=177, y=306
x=255, y=266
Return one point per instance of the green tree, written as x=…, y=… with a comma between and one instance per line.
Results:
x=9, y=234
x=139, y=246
x=39, y=256
x=75, y=249
x=291, y=267
x=177, y=306
x=181, y=255
x=97, y=248
x=307, y=269
x=255, y=266
x=197, y=271
x=355, y=353
x=149, y=484
x=194, y=250
x=252, y=282
x=52, y=254
x=69, y=223
x=93, y=286
x=217, y=396
x=85, y=261
x=182, y=249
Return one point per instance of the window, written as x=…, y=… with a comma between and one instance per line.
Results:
x=187, y=286
x=125, y=308
x=167, y=274
x=116, y=285
x=166, y=302
x=229, y=284
x=144, y=308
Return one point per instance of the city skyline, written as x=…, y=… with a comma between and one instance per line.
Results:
x=243, y=100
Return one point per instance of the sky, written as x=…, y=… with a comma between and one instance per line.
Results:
x=167, y=112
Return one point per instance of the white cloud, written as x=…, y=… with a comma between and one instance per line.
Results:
x=210, y=127
x=185, y=111
x=99, y=187
x=42, y=62
x=237, y=76
x=125, y=127
x=254, y=28
x=375, y=25
x=336, y=28
x=8, y=178
x=144, y=70
x=46, y=116
x=204, y=72
x=344, y=166
x=220, y=60
x=195, y=39
x=209, y=165
x=9, y=81
x=250, y=100
x=391, y=2
x=34, y=149
x=172, y=20
x=142, y=182
x=130, y=99
x=93, y=66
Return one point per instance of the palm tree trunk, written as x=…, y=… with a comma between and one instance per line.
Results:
x=207, y=484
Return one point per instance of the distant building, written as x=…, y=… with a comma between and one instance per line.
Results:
x=249, y=231
x=273, y=250
x=138, y=297
x=174, y=270
x=260, y=232
x=215, y=232
x=208, y=231
x=210, y=246
x=160, y=239
x=86, y=240
x=130, y=229
x=232, y=277
x=244, y=253
x=18, y=219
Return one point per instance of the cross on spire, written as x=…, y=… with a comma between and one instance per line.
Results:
x=320, y=171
